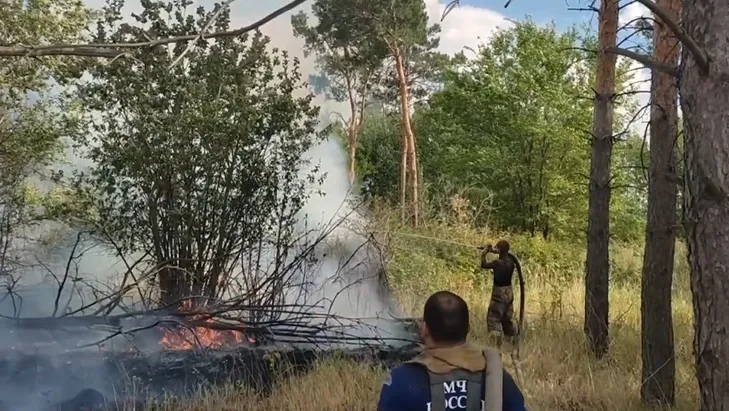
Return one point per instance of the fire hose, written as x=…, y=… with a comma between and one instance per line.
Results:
x=516, y=347
x=522, y=293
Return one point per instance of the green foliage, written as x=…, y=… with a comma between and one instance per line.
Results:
x=378, y=157
x=39, y=22
x=629, y=201
x=508, y=131
x=197, y=163
x=36, y=116
x=423, y=261
x=346, y=60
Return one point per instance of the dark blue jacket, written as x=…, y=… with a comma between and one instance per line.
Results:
x=408, y=389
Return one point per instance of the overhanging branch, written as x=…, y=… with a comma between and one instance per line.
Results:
x=645, y=60
x=112, y=50
x=701, y=59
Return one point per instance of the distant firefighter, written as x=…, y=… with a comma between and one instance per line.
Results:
x=501, y=307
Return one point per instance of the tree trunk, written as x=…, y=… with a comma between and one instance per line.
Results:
x=658, y=356
x=351, y=153
x=403, y=175
x=409, y=165
x=598, y=223
x=353, y=128
x=414, y=176
x=705, y=104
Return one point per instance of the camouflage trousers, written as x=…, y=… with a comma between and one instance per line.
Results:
x=501, y=312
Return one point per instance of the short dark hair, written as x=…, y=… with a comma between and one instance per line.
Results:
x=446, y=315
x=503, y=246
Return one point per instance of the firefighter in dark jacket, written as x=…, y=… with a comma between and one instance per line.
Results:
x=450, y=374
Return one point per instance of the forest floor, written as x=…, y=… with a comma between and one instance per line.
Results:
x=557, y=371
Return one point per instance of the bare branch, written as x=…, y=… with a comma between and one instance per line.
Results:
x=112, y=50
x=685, y=39
x=645, y=60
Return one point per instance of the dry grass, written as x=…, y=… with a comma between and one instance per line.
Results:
x=557, y=371
x=558, y=374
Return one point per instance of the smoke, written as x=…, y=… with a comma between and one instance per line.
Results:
x=35, y=369
x=348, y=279
x=345, y=281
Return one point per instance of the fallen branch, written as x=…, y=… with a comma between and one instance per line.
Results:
x=112, y=50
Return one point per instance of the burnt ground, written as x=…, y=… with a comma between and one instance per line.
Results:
x=88, y=380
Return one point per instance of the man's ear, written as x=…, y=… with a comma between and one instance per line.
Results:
x=424, y=331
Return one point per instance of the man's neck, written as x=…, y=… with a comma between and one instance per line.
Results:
x=434, y=345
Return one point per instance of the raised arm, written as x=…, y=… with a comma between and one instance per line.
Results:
x=485, y=264
x=489, y=265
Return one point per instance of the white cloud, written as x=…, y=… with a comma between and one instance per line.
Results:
x=465, y=26
x=633, y=11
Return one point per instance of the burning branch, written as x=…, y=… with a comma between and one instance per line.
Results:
x=251, y=312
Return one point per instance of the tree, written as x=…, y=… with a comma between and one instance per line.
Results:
x=598, y=220
x=201, y=163
x=402, y=28
x=658, y=356
x=704, y=101
x=424, y=70
x=704, y=97
x=509, y=121
x=115, y=50
x=377, y=158
x=349, y=66
x=514, y=162
x=35, y=115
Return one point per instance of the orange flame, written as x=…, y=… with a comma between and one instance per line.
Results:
x=188, y=338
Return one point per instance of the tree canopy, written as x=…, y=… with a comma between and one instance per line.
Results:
x=200, y=163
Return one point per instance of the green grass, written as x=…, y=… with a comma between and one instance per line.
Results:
x=557, y=371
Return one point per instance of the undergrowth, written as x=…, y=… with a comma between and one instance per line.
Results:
x=557, y=371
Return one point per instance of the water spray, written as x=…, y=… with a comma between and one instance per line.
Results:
x=515, y=355
x=425, y=237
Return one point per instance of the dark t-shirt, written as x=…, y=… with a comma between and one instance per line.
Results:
x=408, y=389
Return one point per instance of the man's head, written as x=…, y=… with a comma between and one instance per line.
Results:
x=445, y=320
x=502, y=247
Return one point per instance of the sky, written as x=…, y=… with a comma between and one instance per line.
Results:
x=469, y=25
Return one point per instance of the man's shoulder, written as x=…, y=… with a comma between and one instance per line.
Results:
x=405, y=387
x=408, y=371
x=408, y=384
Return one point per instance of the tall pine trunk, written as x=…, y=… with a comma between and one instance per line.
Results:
x=659, y=368
x=353, y=129
x=409, y=165
x=705, y=104
x=352, y=135
x=598, y=224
